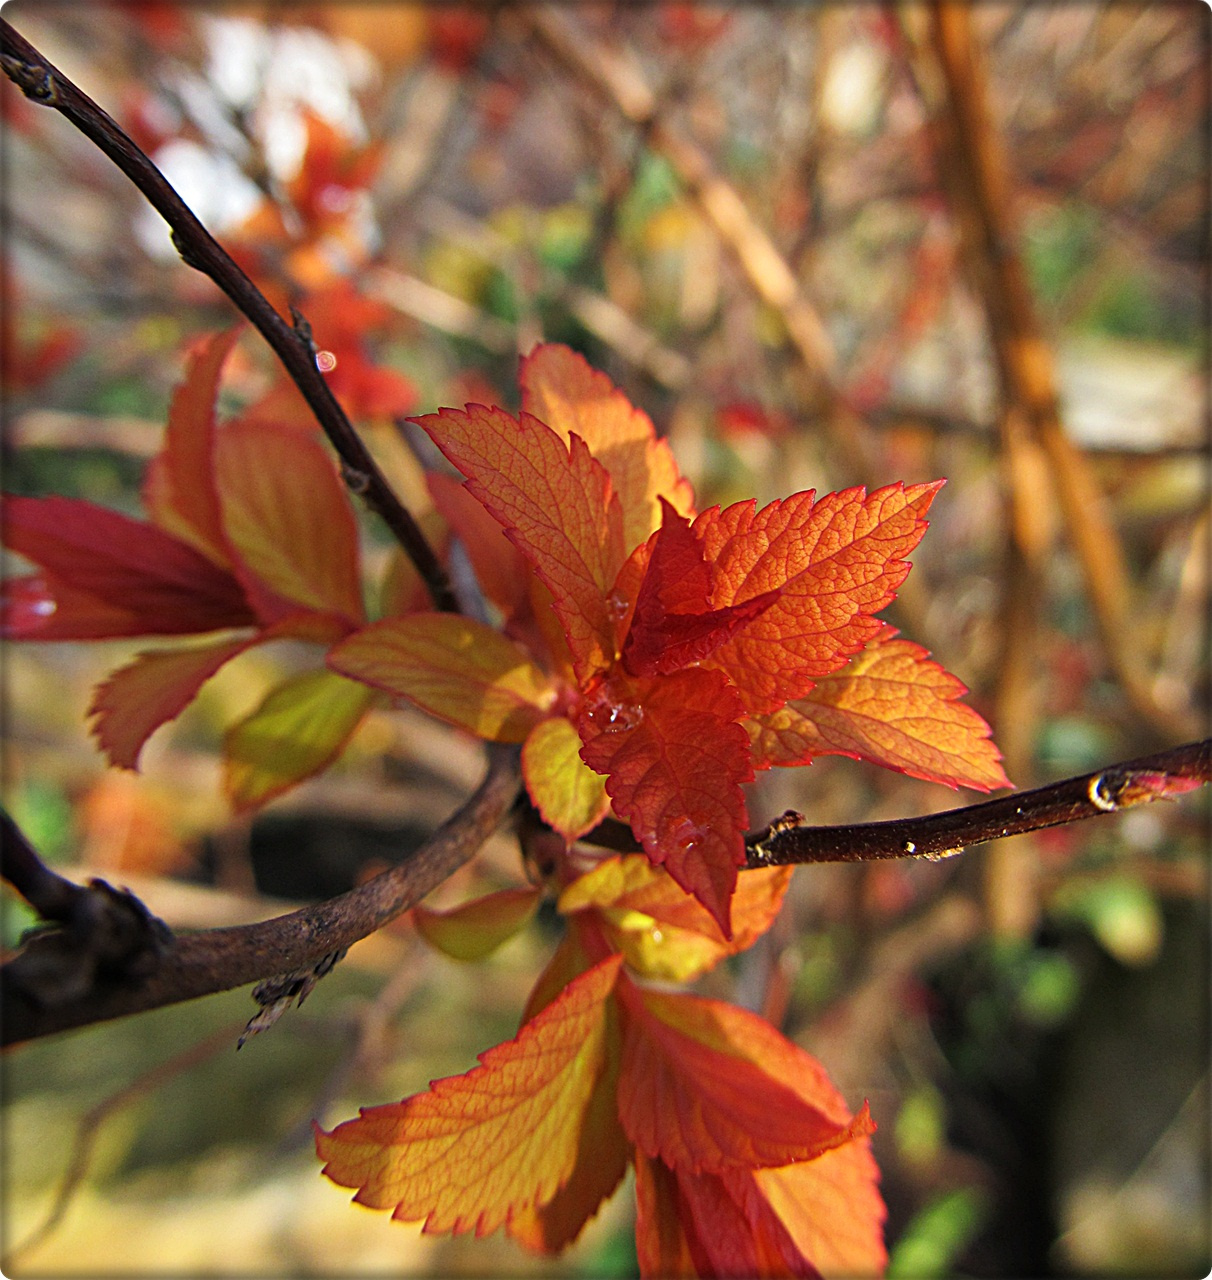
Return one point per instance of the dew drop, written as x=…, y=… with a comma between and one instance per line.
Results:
x=326, y=362
x=44, y=608
x=909, y=847
x=617, y=606
x=657, y=936
x=685, y=835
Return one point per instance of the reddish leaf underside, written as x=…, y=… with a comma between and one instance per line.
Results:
x=561, y=389
x=476, y=1149
x=889, y=705
x=288, y=521
x=672, y=625
x=453, y=667
x=662, y=1247
x=126, y=577
x=705, y=1086
x=835, y=562
x=558, y=507
x=178, y=489
x=675, y=758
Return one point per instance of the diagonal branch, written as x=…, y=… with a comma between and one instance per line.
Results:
x=46, y=85
x=213, y=960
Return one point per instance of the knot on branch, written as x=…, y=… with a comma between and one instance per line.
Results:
x=36, y=82
x=105, y=936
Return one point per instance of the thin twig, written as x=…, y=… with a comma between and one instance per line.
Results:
x=215, y=960
x=790, y=840
x=43, y=83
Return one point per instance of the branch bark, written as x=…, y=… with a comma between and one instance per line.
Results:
x=46, y=85
x=213, y=960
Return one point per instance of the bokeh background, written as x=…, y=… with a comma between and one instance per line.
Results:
x=752, y=217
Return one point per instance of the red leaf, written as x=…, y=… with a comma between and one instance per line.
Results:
x=288, y=520
x=672, y=626
x=479, y=1148
x=561, y=389
x=153, y=689
x=179, y=490
x=558, y=508
x=707, y=1086
x=675, y=759
x=122, y=576
x=889, y=705
x=836, y=562
x=661, y=1224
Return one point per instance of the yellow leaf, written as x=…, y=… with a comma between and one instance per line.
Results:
x=566, y=791
x=474, y=930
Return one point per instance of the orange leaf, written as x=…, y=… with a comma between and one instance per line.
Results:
x=288, y=520
x=675, y=759
x=707, y=1086
x=892, y=706
x=153, y=689
x=571, y=796
x=179, y=490
x=832, y=1209
x=558, y=507
x=661, y=930
x=479, y=1148
x=561, y=389
x=672, y=626
x=835, y=562
x=474, y=930
x=453, y=667
x=601, y=1162
x=300, y=727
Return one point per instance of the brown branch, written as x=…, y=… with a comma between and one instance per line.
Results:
x=977, y=176
x=44, y=84
x=215, y=960
x=788, y=840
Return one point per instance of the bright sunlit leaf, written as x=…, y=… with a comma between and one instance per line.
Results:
x=288, y=519
x=178, y=489
x=453, y=667
x=478, y=1148
x=566, y=791
x=661, y=930
x=558, y=507
x=835, y=562
x=892, y=706
x=561, y=389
